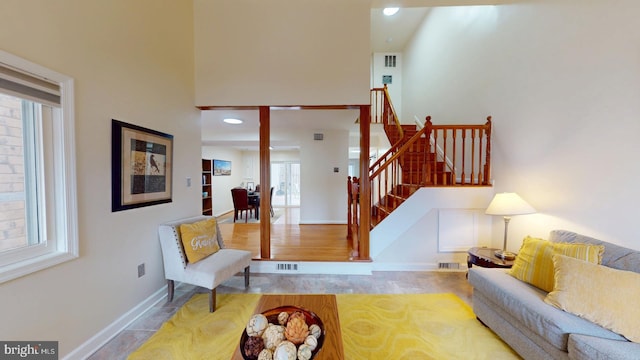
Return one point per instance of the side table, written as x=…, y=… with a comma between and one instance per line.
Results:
x=484, y=257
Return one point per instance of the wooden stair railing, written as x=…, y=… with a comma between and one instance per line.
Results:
x=461, y=154
x=394, y=179
x=433, y=155
x=436, y=155
x=382, y=112
x=353, y=214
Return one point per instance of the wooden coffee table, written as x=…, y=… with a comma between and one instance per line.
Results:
x=324, y=306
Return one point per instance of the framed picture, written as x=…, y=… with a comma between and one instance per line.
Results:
x=250, y=186
x=141, y=166
x=221, y=167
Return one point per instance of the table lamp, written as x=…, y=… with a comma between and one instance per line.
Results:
x=507, y=205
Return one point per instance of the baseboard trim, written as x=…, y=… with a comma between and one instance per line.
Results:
x=311, y=267
x=105, y=335
x=413, y=267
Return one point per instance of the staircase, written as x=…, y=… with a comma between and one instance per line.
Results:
x=431, y=155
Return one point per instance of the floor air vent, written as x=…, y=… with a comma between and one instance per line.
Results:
x=287, y=267
x=449, y=265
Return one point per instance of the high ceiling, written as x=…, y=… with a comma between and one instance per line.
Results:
x=388, y=34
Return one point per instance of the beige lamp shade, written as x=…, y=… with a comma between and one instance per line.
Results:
x=507, y=204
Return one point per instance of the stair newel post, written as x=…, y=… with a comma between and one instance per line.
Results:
x=427, y=134
x=473, y=154
x=424, y=151
x=349, y=201
x=481, y=160
x=444, y=156
x=365, y=183
x=453, y=166
x=463, y=175
x=487, y=162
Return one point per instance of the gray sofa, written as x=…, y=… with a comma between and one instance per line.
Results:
x=516, y=312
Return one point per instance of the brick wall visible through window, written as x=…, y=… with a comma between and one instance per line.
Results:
x=12, y=196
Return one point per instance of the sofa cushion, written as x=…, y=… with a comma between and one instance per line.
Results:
x=613, y=305
x=535, y=266
x=199, y=239
x=614, y=256
x=584, y=347
x=525, y=304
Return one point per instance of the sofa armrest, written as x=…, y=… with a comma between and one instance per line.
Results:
x=585, y=347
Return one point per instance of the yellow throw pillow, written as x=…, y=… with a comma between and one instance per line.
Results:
x=600, y=294
x=534, y=264
x=199, y=239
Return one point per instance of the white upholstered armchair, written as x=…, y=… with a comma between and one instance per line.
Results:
x=208, y=272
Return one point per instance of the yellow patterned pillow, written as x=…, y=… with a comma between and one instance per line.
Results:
x=534, y=264
x=199, y=239
x=600, y=294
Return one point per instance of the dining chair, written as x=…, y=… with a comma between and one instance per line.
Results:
x=241, y=203
x=271, y=201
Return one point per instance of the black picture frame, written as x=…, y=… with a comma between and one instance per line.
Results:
x=221, y=167
x=141, y=166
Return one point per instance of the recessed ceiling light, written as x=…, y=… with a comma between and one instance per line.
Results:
x=232, y=121
x=390, y=11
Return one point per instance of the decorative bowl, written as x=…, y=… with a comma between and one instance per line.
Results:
x=272, y=316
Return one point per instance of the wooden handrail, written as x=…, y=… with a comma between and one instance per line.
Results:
x=382, y=110
x=436, y=155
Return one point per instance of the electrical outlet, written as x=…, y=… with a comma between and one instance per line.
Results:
x=141, y=270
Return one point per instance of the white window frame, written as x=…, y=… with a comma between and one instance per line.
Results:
x=58, y=205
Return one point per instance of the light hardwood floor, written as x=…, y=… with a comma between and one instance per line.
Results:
x=290, y=241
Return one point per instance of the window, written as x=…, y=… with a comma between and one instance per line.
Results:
x=38, y=212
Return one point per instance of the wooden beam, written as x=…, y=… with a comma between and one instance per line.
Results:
x=365, y=185
x=265, y=183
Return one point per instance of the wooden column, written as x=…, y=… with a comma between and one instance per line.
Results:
x=365, y=184
x=265, y=183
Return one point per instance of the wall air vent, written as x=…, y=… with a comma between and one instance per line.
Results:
x=318, y=136
x=390, y=61
x=287, y=267
x=448, y=266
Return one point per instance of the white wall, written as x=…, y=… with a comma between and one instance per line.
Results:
x=560, y=79
x=414, y=236
x=323, y=195
x=282, y=52
x=395, y=88
x=131, y=61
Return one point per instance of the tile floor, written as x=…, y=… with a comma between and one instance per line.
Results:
x=139, y=331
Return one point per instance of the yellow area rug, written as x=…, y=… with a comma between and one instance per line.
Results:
x=411, y=326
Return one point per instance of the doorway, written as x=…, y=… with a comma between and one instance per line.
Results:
x=285, y=178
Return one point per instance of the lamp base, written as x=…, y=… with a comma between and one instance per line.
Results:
x=505, y=255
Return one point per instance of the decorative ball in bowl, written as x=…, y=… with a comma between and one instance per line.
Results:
x=283, y=333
